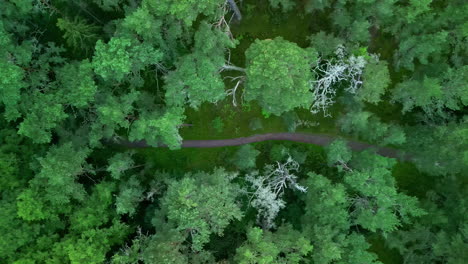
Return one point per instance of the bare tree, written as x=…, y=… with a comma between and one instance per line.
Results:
x=332, y=72
x=269, y=189
x=223, y=25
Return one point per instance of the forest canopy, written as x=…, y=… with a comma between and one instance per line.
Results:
x=233, y=131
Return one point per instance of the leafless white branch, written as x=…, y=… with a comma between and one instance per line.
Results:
x=269, y=189
x=332, y=72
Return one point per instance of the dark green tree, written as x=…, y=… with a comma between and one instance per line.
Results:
x=285, y=5
x=245, y=157
x=375, y=80
x=367, y=126
x=129, y=196
x=377, y=204
x=441, y=235
x=433, y=95
x=440, y=149
x=119, y=163
x=186, y=11
x=78, y=33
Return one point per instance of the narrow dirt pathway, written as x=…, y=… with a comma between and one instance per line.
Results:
x=316, y=139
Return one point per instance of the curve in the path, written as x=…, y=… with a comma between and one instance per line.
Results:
x=316, y=139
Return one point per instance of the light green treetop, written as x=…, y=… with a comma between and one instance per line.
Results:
x=158, y=127
x=55, y=186
x=43, y=116
x=284, y=246
x=197, y=76
x=90, y=246
x=338, y=152
x=202, y=204
x=96, y=210
x=356, y=251
x=119, y=163
x=122, y=56
x=111, y=115
x=77, y=84
x=60, y=169
x=326, y=219
x=279, y=75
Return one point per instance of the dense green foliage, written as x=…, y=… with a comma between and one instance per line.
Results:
x=278, y=75
x=197, y=78
x=283, y=246
x=84, y=83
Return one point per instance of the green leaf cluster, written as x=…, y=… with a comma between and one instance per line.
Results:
x=279, y=75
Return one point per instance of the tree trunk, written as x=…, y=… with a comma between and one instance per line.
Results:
x=235, y=9
x=233, y=68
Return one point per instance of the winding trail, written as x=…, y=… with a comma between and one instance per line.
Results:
x=316, y=139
